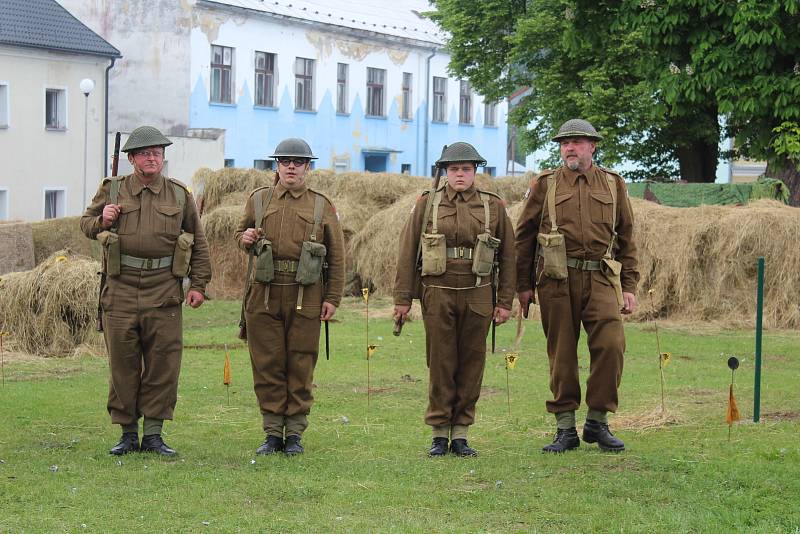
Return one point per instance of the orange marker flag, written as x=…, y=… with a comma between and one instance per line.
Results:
x=733, y=411
x=226, y=373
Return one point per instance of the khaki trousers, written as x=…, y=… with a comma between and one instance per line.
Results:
x=584, y=297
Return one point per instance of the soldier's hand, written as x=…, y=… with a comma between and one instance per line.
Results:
x=327, y=311
x=110, y=214
x=629, y=300
x=525, y=298
x=501, y=315
x=250, y=236
x=401, y=312
x=194, y=298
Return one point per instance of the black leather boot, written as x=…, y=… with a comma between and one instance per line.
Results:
x=129, y=442
x=459, y=447
x=596, y=432
x=271, y=445
x=566, y=439
x=155, y=444
x=292, y=446
x=438, y=447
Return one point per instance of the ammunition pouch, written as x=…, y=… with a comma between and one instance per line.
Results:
x=483, y=257
x=111, y=252
x=553, y=250
x=434, y=254
x=309, y=267
x=611, y=269
x=182, y=256
x=265, y=267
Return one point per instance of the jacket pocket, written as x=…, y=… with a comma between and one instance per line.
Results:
x=128, y=219
x=600, y=207
x=168, y=219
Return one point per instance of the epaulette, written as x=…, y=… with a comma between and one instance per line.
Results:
x=492, y=193
x=180, y=184
x=544, y=174
x=611, y=172
x=323, y=195
x=254, y=191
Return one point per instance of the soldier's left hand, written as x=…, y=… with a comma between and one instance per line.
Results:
x=501, y=315
x=327, y=311
x=194, y=298
x=629, y=300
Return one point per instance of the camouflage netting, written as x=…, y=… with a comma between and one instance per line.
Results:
x=50, y=310
x=682, y=195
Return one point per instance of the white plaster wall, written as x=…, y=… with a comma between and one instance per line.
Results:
x=35, y=158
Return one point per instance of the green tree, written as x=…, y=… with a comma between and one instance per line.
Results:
x=656, y=76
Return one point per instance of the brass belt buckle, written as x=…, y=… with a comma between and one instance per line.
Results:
x=148, y=263
x=579, y=263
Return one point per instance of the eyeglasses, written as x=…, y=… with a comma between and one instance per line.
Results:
x=297, y=162
x=157, y=154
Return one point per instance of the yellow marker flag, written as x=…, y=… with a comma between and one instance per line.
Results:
x=226, y=372
x=733, y=410
x=511, y=359
x=365, y=293
x=665, y=358
x=370, y=350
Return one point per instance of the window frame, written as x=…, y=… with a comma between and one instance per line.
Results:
x=265, y=88
x=5, y=104
x=4, y=204
x=304, y=84
x=376, y=92
x=61, y=108
x=342, y=76
x=465, y=114
x=61, y=202
x=487, y=106
x=222, y=68
x=439, y=107
x=407, y=93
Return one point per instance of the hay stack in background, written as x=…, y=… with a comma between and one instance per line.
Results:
x=52, y=235
x=218, y=185
x=50, y=310
x=701, y=262
x=16, y=242
x=228, y=262
x=512, y=188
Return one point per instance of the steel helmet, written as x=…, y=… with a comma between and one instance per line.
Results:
x=460, y=151
x=577, y=128
x=293, y=147
x=143, y=137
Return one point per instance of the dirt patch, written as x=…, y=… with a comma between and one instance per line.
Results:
x=782, y=416
x=644, y=421
x=490, y=392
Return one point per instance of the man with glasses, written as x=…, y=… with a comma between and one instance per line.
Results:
x=293, y=236
x=152, y=238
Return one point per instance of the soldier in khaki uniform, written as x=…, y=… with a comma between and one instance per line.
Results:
x=147, y=223
x=297, y=233
x=464, y=223
x=575, y=245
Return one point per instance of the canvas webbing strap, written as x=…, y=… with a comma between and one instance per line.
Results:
x=319, y=205
x=437, y=199
x=612, y=188
x=485, y=200
x=551, y=203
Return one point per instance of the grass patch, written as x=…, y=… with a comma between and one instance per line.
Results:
x=366, y=470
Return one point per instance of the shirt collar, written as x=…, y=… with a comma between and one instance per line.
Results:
x=572, y=176
x=136, y=184
x=280, y=190
x=466, y=194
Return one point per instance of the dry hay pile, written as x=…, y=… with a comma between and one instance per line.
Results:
x=230, y=185
x=16, y=242
x=700, y=263
x=228, y=262
x=50, y=310
x=52, y=235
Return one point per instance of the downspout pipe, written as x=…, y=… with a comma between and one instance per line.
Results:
x=105, y=128
x=427, y=110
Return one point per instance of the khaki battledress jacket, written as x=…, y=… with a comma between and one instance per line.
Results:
x=584, y=216
x=284, y=340
x=457, y=315
x=142, y=316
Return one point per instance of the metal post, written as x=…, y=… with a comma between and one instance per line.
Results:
x=85, y=145
x=759, y=315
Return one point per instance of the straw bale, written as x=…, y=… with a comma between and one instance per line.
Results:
x=50, y=310
x=16, y=242
x=700, y=263
x=52, y=235
x=228, y=263
x=217, y=185
x=512, y=188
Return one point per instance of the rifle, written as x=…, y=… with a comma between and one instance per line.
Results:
x=428, y=209
x=494, y=298
x=114, y=170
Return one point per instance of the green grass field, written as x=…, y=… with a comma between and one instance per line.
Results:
x=365, y=469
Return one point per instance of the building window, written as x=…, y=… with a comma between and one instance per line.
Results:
x=3, y=204
x=439, y=99
x=265, y=79
x=222, y=74
x=376, y=79
x=55, y=109
x=54, y=203
x=304, y=84
x=341, y=87
x=491, y=171
x=405, y=168
x=229, y=163
x=490, y=114
x=3, y=105
x=465, y=103
x=405, y=113
x=341, y=164
x=263, y=164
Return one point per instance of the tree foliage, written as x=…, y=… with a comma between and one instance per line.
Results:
x=663, y=80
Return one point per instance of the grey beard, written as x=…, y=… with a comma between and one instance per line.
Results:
x=573, y=165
